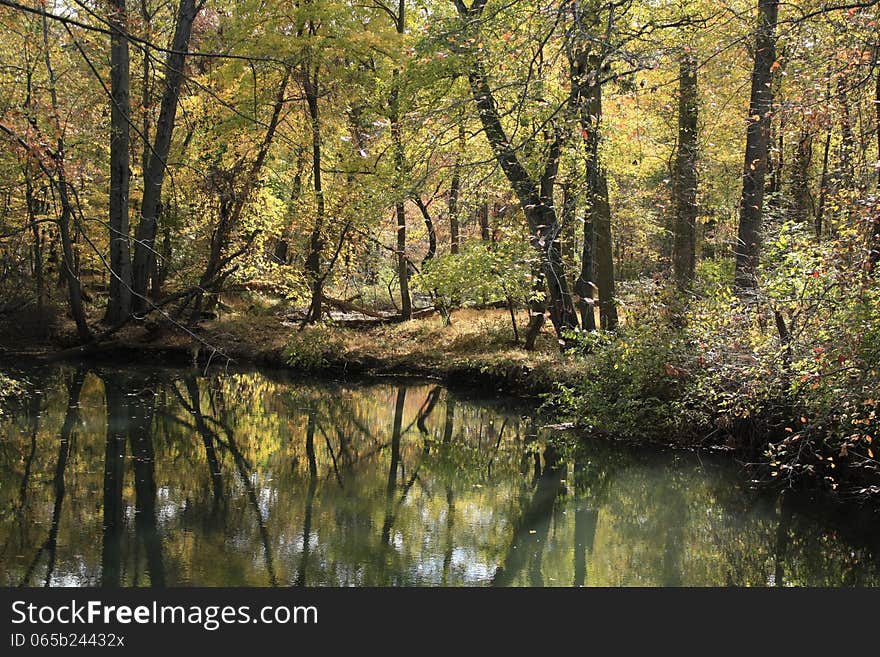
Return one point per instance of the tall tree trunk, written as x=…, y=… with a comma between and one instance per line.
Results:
x=316, y=240
x=34, y=206
x=68, y=268
x=598, y=204
x=684, y=243
x=584, y=287
x=455, y=192
x=399, y=161
x=748, y=246
x=119, y=304
x=604, y=254
x=597, y=257
x=535, y=198
x=154, y=175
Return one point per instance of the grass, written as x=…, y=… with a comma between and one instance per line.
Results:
x=478, y=346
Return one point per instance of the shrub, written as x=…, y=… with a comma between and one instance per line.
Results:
x=632, y=388
x=482, y=273
x=314, y=347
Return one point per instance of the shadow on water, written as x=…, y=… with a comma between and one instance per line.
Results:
x=143, y=477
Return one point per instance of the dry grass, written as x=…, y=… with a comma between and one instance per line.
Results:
x=477, y=342
x=478, y=346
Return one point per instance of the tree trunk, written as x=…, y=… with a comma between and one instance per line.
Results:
x=485, y=235
x=399, y=161
x=454, y=193
x=34, y=206
x=597, y=255
x=684, y=243
x=316, y=240
x=119, y=304
x=154, y=175
x=748, y=246
x=429, y=225
x=800, y=178
x=68, y=268
x=402, y=264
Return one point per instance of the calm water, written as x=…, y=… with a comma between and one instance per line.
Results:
x=146, y=477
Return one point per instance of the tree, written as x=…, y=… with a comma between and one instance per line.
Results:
x=145, y=242
x=535, y=194
x=119, y=303
x=685, y=183
x=748, y=244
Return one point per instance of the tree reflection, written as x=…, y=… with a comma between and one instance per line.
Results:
x=242, y=479
x=114, y=473
x=532, y=528
x=71, y=418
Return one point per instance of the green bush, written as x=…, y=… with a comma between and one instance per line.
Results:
x=790, y=377
x=482, y=273
x=632, y=383
x=314, y=347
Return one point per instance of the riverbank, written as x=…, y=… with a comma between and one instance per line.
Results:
x=643, y=385
x=477, y=349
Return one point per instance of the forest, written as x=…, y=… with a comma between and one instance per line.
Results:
x=660, y=218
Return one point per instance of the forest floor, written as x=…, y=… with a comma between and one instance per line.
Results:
x=477, y=348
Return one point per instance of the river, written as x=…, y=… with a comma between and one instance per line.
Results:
x=164, y=477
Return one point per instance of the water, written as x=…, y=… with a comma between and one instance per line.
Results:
x=167, y=478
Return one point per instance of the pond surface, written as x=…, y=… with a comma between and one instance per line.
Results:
x=169, y=478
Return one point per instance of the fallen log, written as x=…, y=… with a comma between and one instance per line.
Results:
x=348, y=306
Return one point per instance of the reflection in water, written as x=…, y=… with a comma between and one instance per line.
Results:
x=161, y=478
